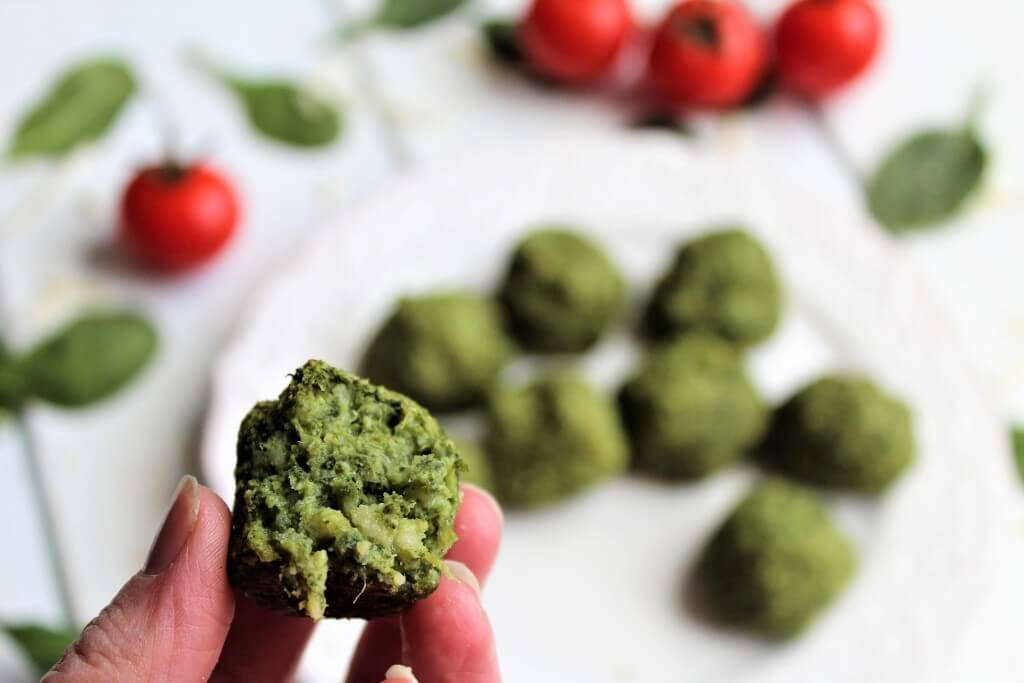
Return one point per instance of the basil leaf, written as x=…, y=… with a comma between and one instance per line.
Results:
x=926, y=179
x=283, y=112
x=89, y=359
x=8, y=384
x=406, y=14
x=662, y=121
x=80, y=108
x=42, y=646
x=1018, y=450
x=12, y=384
x=502, y=37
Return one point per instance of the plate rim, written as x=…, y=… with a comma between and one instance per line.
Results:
x=291, y=268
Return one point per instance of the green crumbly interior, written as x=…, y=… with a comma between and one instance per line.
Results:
x=842, y=433
x=477, y=466
x=776, y=561
x=723, y=283
x=553, y=438
x=345, y=490
x=691, y=409
x=444, y=350
x=561, y=291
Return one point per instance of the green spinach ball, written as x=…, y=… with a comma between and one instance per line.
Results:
x=477, y=466
x=443, y=350
x=691, y=410
x=561, y=292
x=841, y=433
x=551, y=439
x=345, y=499
x=723, y=283
x=776, y=562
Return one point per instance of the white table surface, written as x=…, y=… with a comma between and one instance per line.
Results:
x=411, y=97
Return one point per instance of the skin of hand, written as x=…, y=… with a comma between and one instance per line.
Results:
x=179, y=619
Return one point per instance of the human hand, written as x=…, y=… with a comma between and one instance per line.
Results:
x=179, y=619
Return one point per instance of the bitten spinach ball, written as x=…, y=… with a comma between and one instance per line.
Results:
x=691, y=409
x=776, y=562
x=841, y=433
x=561, y=292
x=443, y=350
x=551, y=439
x=345, y=498
x=723, y=283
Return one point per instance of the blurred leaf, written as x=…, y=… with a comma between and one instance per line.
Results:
x=502, y=38
x=89, y=359
x=40, y=645
x=12, y=384
x=284, y=112
x=406, y=14
x=662, y=121
x=926, y=179
x=80, y=108
x=1018, y=450
x=9, y=384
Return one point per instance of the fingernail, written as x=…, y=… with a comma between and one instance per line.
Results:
x=463, y=574
x=177, y=526
x=486, y=495
x=400, y=673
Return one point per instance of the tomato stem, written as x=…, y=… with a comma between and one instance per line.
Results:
x=701, y=30
x=171, y=172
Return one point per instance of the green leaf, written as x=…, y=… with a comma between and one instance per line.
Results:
x=502, y=37
x=10, y=394
x=79, y=108
x=1018, y=450
x=42, y=646
x=283, y=112
x=406, y=14
x=659, y=121
x=662, y=121
x=12, y=384
x=89, y=359
x=926, y=179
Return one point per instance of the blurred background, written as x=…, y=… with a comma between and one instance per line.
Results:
x=303, y=108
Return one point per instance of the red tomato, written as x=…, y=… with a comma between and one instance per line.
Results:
x=175, y=217
x=822, y=45
x=707, y=54
x=574, y=40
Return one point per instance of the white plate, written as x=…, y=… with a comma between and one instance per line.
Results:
x=590, y=591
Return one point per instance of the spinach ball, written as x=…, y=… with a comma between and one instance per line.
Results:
x=477, y=466
x=345, y=498
x=841, y=432
x=551, y=439
x=561, y=292
x=691, y=410
x=443, y=350
x=723, y=283
x=776, y=562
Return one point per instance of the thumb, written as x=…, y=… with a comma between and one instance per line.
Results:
x=447, y=637
x=170, y=620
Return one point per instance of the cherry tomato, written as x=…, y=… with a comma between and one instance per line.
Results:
x=821, y=45
x=574, y=40
x=176, y=217
x=707, y=54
